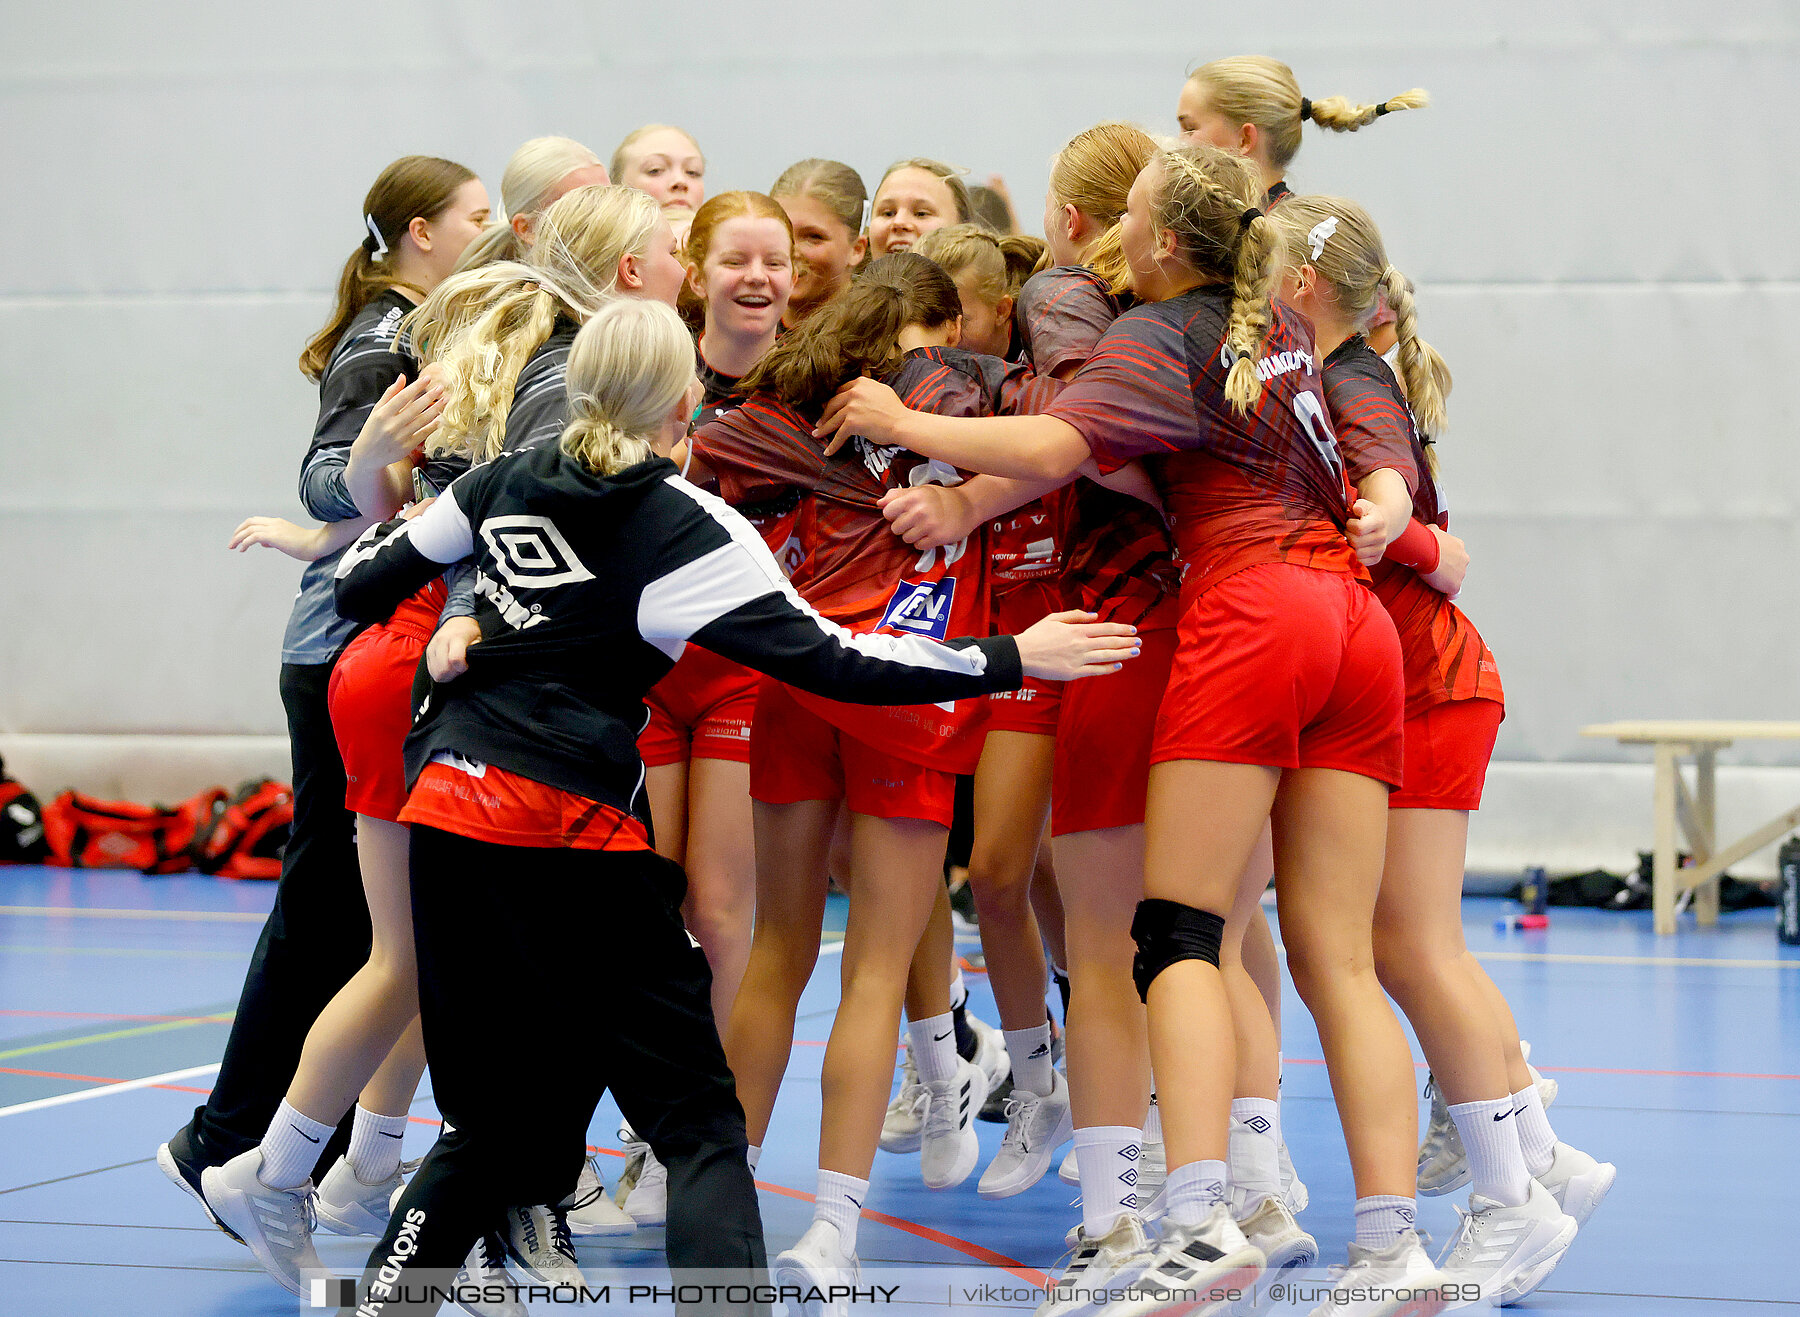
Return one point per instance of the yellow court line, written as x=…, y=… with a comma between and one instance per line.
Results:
x=108, y=1037
x=182, y=916
x=126, y=951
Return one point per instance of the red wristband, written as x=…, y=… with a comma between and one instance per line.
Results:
x=1416, y=547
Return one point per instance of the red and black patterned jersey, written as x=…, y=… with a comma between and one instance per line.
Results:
x=1241, y=489
x=853, y=568
x=1116, y=553
x=1445, y=657
x=773, y=518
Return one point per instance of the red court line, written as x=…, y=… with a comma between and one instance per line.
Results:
x=106, y=1015
x=94, y=1079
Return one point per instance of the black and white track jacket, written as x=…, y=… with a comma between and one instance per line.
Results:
x=601, y=581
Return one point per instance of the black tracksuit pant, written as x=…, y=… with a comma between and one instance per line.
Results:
x=500, y=926
x=316, y=937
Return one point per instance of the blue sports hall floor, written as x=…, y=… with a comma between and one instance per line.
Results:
x=1678, y=1059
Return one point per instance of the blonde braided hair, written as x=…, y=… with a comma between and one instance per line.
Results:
x=1263, y=91
x=1208, y=199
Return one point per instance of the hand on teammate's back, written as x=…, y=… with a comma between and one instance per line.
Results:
x=863, y=406
x=447, y=656
x=1064, y=646
x=929, y=516
x=1367, y=531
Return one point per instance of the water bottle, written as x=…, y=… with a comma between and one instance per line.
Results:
x=1534, y=892
x=1787, y=910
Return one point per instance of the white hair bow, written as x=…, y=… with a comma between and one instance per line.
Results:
x=1321, y=234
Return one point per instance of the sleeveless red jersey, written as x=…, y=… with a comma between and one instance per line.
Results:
x=1445, y=657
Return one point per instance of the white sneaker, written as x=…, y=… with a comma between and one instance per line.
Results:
x=1095, y=1266
x=1578, y=1182
x=1496, y=1245
x=1398, y=1281
x=948, y=1145
x=1273, y=1232
x=643, y=1190
x=905, y=1120
x=1293, y=1188
x=276, y=1224
x=347, y=1206
x=1212, y=1261
x=990, y=1053
x=815, y=1264
x=1070, y=1170
x=537, y=1239
x=590, y=1211
x=484, y=1288
x=1035, y=1128
x=1443, y=1162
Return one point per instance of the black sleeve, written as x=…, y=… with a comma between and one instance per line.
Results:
x=723, y=590
x=346, y=397
x=392, y=561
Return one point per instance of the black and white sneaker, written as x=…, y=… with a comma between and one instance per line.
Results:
x=179, y=1160
x=537, y=1240
x=484, y=1288
x=1193, y=1270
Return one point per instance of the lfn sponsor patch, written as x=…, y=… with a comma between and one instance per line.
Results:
x=921, y=608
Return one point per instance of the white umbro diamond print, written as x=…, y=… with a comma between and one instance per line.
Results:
x=531, y=553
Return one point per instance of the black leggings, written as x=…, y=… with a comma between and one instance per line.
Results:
x=546, y=977
x=316, y=937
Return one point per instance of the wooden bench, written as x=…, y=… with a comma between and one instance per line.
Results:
x=1695, y=812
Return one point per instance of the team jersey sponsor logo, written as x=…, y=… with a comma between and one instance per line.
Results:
x=921, y=608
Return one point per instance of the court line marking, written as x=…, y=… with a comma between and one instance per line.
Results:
x=124, y=1086
x=97, y=912
x=92, y=1079
x=114, y=1034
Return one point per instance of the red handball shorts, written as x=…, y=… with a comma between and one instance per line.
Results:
x=1447, y=751
x=796, y=755
x=370, y=697
x=701, y=709
x=1287, y=666
x=1033, y=707
x=1104, y=736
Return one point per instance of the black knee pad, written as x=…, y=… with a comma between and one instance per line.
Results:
x=1168, y=931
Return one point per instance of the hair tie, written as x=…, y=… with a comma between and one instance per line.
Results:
x=1382, y=109
x=1305, y=109
x=374, y=244
x=1245, y=219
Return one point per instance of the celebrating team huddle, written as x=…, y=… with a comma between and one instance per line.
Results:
x=676, y=556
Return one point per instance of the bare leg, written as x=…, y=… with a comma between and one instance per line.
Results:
x=721, y=872
x=1424, y=962
x=1101, y=875
x=791, y=845
x=900, y=868
x=1046, y=902
x=928, y=977
x=1258, y=1037
x=1330, y=836
x=1260, y=959
x=1202, y=823
x=1012, y=804
x=359, y=1027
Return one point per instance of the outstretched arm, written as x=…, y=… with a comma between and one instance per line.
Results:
x=307, y=543
x=1019, y=447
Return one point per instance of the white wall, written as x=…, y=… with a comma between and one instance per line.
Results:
x=1599, y=210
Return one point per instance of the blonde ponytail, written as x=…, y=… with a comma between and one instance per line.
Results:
x=1208, y=199
x=1426, y=376
x=1262, y=91
x=630, y=367
x=1094, y=174
x=1340, y=241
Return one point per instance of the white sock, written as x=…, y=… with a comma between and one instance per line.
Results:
x=1030, y=1052
x=934, y=1047
x=1255, y=1149
x=1536, y=1139
x=1490, y=1136
x=291, y=1148
x=1153, y=1123
x=1382, y=1218
x=839, y=1201
x=375, y=1145
x=753, y=1155
x=959, y=991
x=1193, y=1190
x=1107, y=1156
